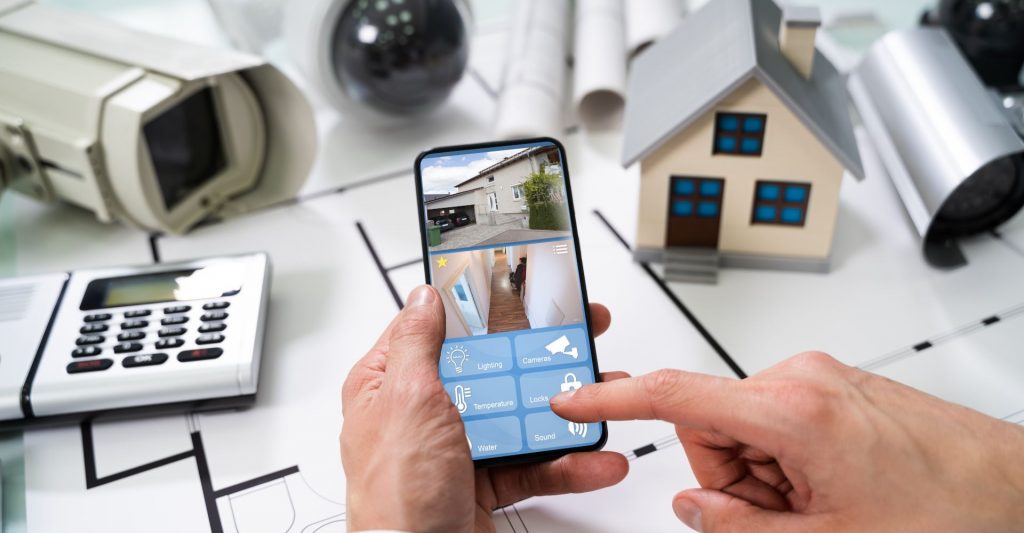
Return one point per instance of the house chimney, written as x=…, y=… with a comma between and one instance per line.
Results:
x=796, y=36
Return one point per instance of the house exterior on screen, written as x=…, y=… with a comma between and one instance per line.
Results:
x=495, y=195
x=743, y=136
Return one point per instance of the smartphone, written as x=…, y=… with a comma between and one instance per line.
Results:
x=500, y=245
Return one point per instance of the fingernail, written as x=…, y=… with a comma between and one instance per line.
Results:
x=422, y=295
x=688, y=512
x=563, y=397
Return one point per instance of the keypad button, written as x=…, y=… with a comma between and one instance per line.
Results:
x=210, y=339
x=91, y=365
x=151, y=359
x=177, y=309
x=127, y=347
x=86, y=340
x=216, y=305
x=94, y=328
x=134, y=324
x=163, y=344
x=213, y=315
x=131, y=336
x=171, y=332
x=174, y=320
x=98, y=317
x=86, y=351
x=200, y=354
x=138, y=313
x=213, y=326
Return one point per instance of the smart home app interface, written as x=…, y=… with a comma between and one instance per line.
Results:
x=502, y=256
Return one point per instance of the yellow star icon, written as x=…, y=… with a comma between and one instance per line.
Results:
x=442, y=262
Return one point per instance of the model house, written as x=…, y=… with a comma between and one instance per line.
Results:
x=480, y=297
x=495, y=196
x=743, y=135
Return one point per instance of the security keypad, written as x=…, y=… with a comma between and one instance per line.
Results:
x=172, y=332
x=111, y=339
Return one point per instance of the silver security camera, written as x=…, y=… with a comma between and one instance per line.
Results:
x=142, y=129
x=947, y=142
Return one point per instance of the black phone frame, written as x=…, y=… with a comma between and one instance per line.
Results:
x=546, y=455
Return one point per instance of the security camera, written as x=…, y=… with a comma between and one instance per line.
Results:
x=142, y=129
x=381, y=61
x=947, y=142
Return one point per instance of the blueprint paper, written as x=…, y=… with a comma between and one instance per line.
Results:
x=599, y=62
x=649, y=20
x=533, y=88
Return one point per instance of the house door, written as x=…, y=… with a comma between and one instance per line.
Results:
x=694, y=211
x=492, y=201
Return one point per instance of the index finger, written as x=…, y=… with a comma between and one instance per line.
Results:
x=695, y=401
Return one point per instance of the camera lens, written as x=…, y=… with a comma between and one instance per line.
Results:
x=988, y=198
x=400, y=56
x=185, y=146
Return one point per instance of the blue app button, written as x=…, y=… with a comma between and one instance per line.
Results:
x=472, y=357
x=538, y=387
x=494, y=436
x=546, y=430
x=483, y=396
x=550, y=348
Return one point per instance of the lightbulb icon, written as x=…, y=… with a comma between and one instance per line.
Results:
x=457, y=356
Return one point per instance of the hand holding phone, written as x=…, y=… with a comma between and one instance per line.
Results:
x=500, y=246
x=403, y=445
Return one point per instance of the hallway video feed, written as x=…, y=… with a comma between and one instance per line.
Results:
x=508, y=288
x=486, y=197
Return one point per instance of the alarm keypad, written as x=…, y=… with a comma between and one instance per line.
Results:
x=141, y=341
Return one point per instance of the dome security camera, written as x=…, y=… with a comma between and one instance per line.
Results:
x=142, y=129
x=382, y=61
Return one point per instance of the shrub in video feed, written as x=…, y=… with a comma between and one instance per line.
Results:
x=546, y=200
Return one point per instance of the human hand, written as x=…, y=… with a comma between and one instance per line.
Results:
x=404, y=448
x=814, y=445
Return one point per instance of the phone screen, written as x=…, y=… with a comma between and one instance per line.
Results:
x=500, y=246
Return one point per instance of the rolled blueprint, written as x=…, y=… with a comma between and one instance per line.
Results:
x=533, y=89
x=599, y=83
x=649, y=20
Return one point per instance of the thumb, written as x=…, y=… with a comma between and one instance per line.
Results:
x=414, y=346
x=713, y=511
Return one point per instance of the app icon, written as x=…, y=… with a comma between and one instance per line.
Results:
x=461, y=393
x=561, y=346
x=578, y=430
x=570, y=383
x=457, y=356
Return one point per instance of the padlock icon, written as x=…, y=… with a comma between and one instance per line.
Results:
x=570, y=383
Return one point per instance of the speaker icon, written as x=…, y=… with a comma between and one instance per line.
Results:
x=578, y=430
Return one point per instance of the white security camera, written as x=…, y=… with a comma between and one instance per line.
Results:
x=143, y=129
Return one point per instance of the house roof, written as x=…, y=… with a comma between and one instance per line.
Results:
x=711, y=54
x=509, y=160
x=439, y=197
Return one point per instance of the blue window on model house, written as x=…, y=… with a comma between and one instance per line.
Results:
x=781, y=202
x=739, y=133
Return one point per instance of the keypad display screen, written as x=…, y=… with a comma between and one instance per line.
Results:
x=181, y=285
x=502, y=254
